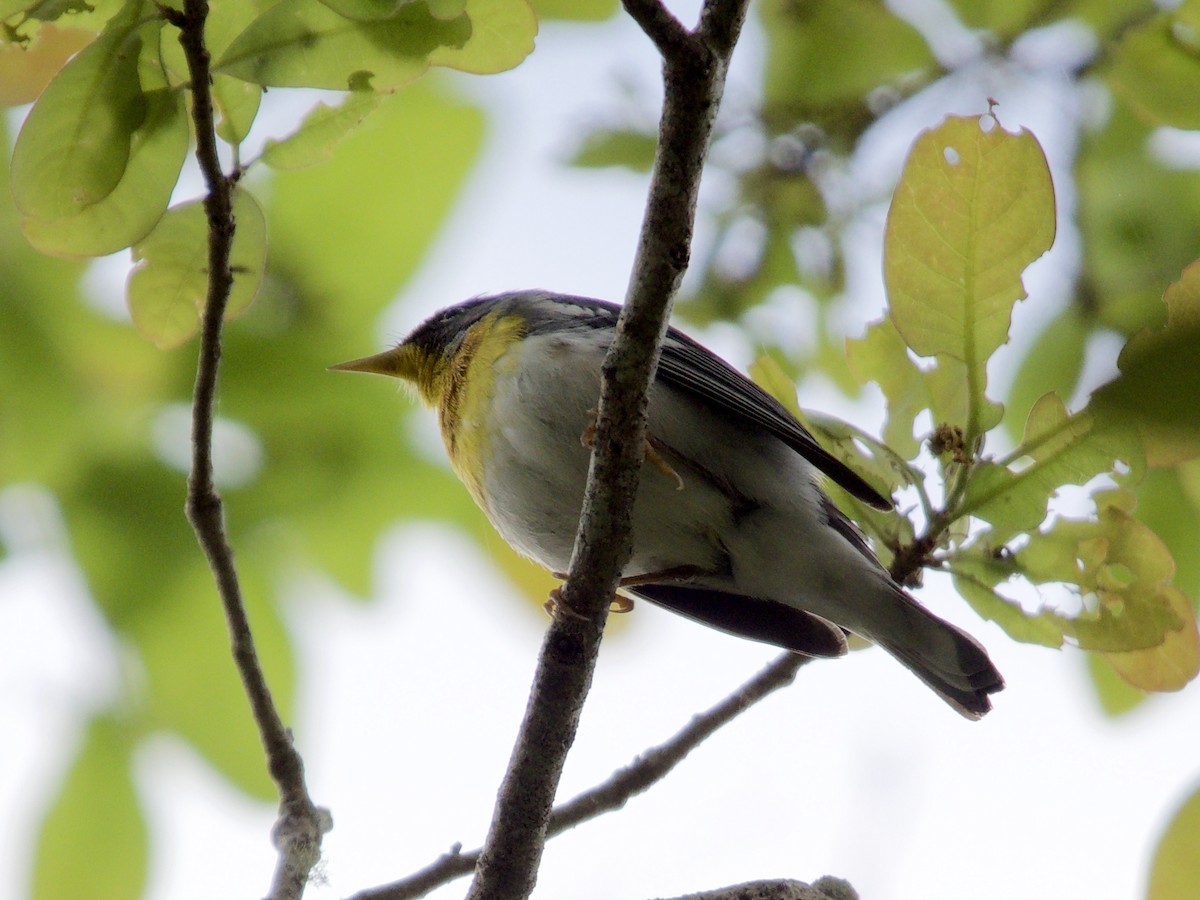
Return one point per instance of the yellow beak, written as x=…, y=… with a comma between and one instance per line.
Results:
x=389, y=362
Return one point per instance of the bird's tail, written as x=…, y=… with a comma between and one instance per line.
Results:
x=943, y=656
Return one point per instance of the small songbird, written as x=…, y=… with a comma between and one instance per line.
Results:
x=730, y=525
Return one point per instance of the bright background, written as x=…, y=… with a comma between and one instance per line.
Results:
x=408, y=706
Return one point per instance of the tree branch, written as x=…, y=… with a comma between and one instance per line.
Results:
x=826, y=888
x=667, y=32
x=639, y=776
x=694, y=76
x=297, y=832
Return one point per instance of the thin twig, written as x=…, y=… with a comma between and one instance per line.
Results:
x=639, y=776
x=654, y=765
x=298, y=830
x=826, y=888
x=694, y=75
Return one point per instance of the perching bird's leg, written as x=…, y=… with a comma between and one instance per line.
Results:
x=661, y=464
x=619, y=604
x=554, y=602
x=622, y=604
x=588, y=439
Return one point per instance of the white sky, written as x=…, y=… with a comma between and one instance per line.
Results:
x=857, y=770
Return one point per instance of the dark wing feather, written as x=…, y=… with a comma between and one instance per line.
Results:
x=688, y=367
x=759, y=620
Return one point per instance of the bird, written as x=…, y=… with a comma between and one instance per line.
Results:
x=731, y=526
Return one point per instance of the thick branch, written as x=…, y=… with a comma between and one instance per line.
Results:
x=694, y=75
x=639, y=776
x=300, y=825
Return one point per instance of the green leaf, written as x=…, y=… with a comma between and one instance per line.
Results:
x=322, y=129
x=997, y=16
x=1061, y=449
x=976, y=578
x=576, y=10
x=1160, y=379
x=825, y=52
x=1127, y=569
x=625, y=147
x=446, y=9
x=952, y=401
x=191, y=683
x=74, y=146
x=1166, y=506
x=1116, y=695
x=1175, y=871
x=303, y=43
x=881, y=356
x=89, y=14
x=1142, y=624
x=502, y=33
x=157, y=152
x=94, y=841
x=237, y=105
x=1053, y=363
x=1131, y=247
x=236, y=101
x=227, y=19
x=168, y=285
x=1156, y=67
x=9, y=8
x=974, y=207
x=366, y=10
x=402, y=169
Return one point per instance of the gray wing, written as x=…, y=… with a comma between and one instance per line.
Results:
x=688, y=367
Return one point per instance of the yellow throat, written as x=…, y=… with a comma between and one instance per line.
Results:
x=460, y=387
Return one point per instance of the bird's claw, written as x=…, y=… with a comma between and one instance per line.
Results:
x=555, y=602
x=651, y=454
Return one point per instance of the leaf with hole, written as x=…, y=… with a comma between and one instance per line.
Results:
x=974, y=207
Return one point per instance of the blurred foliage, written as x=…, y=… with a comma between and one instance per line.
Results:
x=966, y=219
x=98, y=809
x=97, y=419
x=1175, y=871
x=348, y=201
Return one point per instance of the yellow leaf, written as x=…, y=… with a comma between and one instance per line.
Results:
x=1174, y=662
x=974, y=207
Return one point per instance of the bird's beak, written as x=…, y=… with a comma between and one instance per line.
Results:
x=389, y=362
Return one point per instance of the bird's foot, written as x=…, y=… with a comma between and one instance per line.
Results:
x=554, y=602
x=650, y=455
